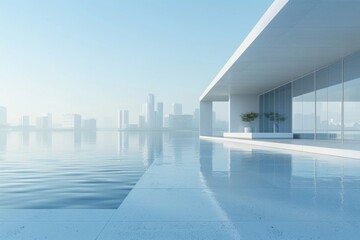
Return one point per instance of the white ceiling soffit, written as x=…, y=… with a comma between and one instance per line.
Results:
x=293, y=38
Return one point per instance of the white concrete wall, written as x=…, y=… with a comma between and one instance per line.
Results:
x=206, y=109
x=239, y=104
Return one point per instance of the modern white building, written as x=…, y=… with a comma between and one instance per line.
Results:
x=299, y=69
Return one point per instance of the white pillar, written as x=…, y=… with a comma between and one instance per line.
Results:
x=239, y=104
x=206, y=118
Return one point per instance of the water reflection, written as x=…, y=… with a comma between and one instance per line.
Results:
x=276, y=186
x=3, y=140
x=123, y=142
x=77, y=140
x=25, y=138
x=181, y=143
x=89, y=137
x=44, y=138
x=150, y=144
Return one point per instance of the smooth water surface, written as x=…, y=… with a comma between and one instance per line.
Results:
x=248, y=191
x=274, y=194
x=264, y=184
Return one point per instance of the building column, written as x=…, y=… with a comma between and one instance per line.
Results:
x=206, y=118
x=239, y=104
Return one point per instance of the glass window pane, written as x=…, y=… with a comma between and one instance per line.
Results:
x=328, y=102
x=268, y=108
x=261, y=112
x=283, y=108
x=352, y=97
x=304, y=107
x=297, y=107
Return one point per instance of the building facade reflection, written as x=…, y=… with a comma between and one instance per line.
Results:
x=265, y=185
x=44, y=138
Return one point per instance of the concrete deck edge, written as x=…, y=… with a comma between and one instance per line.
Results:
x=338, y=152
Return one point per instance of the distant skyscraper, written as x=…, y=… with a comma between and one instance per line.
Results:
x=44, y=122
x=177, y=108
x=126, y=119
x=120, y=119
x=159, y=115
x=49, y=120
x=89, y=124
x=25, y=121
x=150, y=111
x=142, y=123
x=166, y=121
x=3, y=116
x=72, y=121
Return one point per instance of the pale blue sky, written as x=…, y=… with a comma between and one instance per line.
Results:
x=95, y=57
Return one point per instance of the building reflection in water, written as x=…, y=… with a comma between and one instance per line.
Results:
x=150, y=144
x=89, y=137
x=25, y=138
x=123, y=142
x=77, y=139
x=180, y=143
x=142, y=141
x=273, y=185
x=247, y=168
x=44, y=138
x=3, y=140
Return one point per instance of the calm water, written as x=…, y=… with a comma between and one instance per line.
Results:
x=66, y=170
x=72, y=170
x=286, y=188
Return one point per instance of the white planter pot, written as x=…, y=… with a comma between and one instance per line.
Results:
x=247, y=129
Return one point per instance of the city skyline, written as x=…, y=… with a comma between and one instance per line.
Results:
x=101, y=57
x=123, y=119
x=152, y=117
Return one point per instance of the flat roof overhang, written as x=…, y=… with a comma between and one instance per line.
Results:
x=293, y=38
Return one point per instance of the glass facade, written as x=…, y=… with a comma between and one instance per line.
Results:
x=324, y=104
x=303, y=104
x=328, y=102
x=352, y=97
x=275, y=110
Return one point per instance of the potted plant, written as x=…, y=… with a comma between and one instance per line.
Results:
x=248, y=118
x=276, y=118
